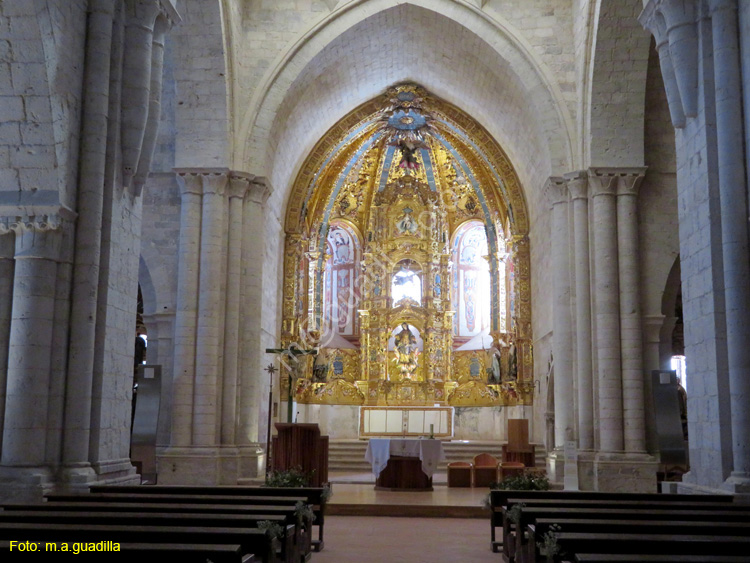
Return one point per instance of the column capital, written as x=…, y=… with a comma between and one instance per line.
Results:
x=239, y=184
x=603, y=181
x=578, y=184
x=38, y=238
x=259, y=190
x=191, y=179
x=555, y=190
x=630, y=180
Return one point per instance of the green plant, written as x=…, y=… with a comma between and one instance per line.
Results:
x=304, y=511
x=273, y=529
x=514, y=513
x=550, y=546
x=327, y=493
x=294, y=477
x=525, y=482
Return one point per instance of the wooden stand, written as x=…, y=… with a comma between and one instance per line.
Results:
x=301, y=446
x=518, y=448
x=403, y=474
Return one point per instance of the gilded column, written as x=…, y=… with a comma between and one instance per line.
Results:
x=206, y=399
x=557, y=195
x=238, y=186
x=578, y=186
x=186, y=317
x=603, y=184
x=631, y=331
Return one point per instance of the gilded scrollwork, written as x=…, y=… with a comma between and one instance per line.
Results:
x=406, y=170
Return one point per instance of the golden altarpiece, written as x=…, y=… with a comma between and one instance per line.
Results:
x=407, y=263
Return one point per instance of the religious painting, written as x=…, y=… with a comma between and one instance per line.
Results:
x=406, y=224
x=471, y=280
x=341, y=279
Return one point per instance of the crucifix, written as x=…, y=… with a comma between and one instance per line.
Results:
x=289, y=355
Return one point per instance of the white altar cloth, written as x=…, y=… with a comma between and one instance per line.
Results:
x=429, y=452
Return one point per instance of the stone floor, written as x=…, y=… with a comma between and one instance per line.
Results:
x=375, y=528
x=368, y=539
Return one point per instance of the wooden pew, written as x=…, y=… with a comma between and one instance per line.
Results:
x=711, y=527
x=179, y=504
x=185, y=553
x=314, y=495
x=655, y=558
x=290, y=551
x=667, y=544
x=499, y=498
x=251, y=540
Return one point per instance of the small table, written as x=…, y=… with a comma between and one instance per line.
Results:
x=404, y=464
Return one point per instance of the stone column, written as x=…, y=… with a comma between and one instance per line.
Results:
x=631, y=331
x=562, y=341
x=30, y=351
x=578, y=186
x=186, y=317
x=208, y=349
x=238, y=186
x=603, y=184
x=252, y=377
x=7, y=250
x=734, y=229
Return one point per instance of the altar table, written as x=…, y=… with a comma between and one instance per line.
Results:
x=404, y=464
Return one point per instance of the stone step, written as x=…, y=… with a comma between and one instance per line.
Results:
x=349, y=455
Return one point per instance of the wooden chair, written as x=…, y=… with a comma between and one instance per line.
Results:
x=460, y=473
x=485, y=470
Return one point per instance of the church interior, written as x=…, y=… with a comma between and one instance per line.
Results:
x=387, y=218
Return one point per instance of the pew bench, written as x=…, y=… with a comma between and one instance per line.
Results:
x=499, y=498
x=533, y=513
x=654, y=558
x=529, y=551
x=315, y=496
x=290, y=545
x=303, y=532
x=185, y=553
x=251, y=540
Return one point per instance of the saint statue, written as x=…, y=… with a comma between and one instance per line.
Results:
x=407, y=352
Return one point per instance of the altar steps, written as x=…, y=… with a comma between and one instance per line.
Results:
x=349, y=455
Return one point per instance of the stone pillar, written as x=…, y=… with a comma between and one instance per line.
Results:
x=734, y=229
x=603, y=184
x=631, y=332
x=238, y=186
x=24, y=454
x=578, y=186
x=206, y=405
x=7, y=250
x=562, y=341
x=252, y=377
x=186, y=318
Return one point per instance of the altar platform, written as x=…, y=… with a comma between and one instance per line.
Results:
x=354, y=495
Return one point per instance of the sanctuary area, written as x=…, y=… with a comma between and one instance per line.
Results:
x=387, y=218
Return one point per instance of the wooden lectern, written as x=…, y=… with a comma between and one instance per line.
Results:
x=518, y=448
x=301, y=446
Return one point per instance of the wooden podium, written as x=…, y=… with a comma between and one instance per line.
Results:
x=300, y=446
x=518, y=448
